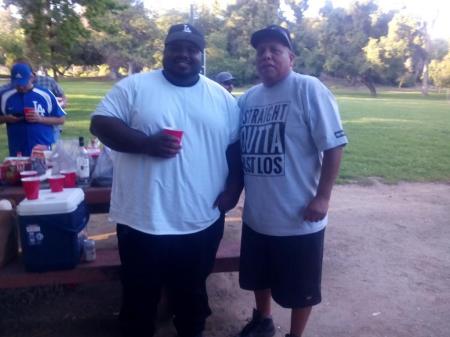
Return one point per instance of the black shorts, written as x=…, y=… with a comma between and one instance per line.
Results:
x=291, y=266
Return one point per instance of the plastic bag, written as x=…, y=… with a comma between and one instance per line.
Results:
x=103, y=171
x=64, y=155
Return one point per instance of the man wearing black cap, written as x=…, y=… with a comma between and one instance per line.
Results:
x=168, y=196
x=292, y=141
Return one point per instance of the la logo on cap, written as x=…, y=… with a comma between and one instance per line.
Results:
x=186, y=29
x=18, y=75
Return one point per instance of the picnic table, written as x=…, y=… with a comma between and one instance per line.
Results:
x=107, y=263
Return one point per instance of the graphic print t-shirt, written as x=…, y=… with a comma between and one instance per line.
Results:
x=284, y=131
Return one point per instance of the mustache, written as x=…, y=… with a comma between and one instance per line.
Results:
x=182, y=59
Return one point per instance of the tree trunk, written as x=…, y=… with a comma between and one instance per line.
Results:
x=130, y=68
x=113, y=74
x=369, y=84
x=425, y=79
x=55, y=73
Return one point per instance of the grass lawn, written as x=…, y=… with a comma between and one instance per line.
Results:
x=396, y=136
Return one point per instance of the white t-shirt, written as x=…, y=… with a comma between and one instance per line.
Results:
x=284, y=131
x=171, y=196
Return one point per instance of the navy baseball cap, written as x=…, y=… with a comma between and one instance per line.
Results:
x=273, y=31
x=185, y=32
x=21, y=74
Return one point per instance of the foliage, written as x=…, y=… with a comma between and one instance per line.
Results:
x=440, y=72
x=11, y=38
x=131, y=44
x=53, y=27
x=399, y=57
x=360, y=44
x=343, y=38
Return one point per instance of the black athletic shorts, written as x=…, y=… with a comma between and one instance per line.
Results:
x=291, y=266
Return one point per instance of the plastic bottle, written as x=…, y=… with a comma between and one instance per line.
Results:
x=82, y=163
x=89, y=250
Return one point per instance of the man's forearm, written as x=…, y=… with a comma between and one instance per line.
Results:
x=118, y=136
x=330, y=169
x=52, y=120
x=235, y=180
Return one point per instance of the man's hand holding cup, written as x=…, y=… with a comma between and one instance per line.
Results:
x=165, y=144
x=31, y=115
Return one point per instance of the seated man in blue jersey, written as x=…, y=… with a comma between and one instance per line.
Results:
x=24, y=132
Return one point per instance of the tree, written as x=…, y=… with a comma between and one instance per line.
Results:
x=131, y=42
x=53, y=27
x=440, y=72
x=305, y=38
x=244, y=18
x=343, y=37
x=439, y=49
x=305, y=34
x=11, y=38
x=400, y=56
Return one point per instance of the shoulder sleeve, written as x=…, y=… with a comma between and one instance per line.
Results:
x=57, y=111
x=322, y=115
x=118, y=101
x=234, y=119
x=241, y=101
x=56, y=88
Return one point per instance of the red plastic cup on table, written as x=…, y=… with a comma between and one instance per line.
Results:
x=26, y=174
x=56, y=183
x=31, y=187
x=176, y=133
x=28, y=111
x=70, y=178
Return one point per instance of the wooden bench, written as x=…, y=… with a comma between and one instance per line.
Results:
x=107, y=264
x=105, y=268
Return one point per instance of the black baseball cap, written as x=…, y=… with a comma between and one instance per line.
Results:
x=273, y=31
x=185, y=32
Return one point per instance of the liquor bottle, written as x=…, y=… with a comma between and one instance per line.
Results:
x=82, y=163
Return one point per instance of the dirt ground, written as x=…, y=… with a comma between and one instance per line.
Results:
x=386, y=274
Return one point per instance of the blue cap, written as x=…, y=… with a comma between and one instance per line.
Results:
x=21, y=74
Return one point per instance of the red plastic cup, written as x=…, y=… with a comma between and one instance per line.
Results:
x=56, y=183
x=25, y=174
x=176, y=133
x=31, y=187
x=70, y=178
x=28, y=111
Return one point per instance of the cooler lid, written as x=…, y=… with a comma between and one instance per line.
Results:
x=66, y=201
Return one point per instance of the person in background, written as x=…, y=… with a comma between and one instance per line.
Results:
x=292, y=142
x=25, y=130
x=168, y=197
x=226, y=80
x=48, y=83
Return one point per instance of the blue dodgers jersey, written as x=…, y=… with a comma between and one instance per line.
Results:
x=23, y=136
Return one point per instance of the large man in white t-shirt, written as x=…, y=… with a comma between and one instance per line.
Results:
x=291, y=143
x=168, y=198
